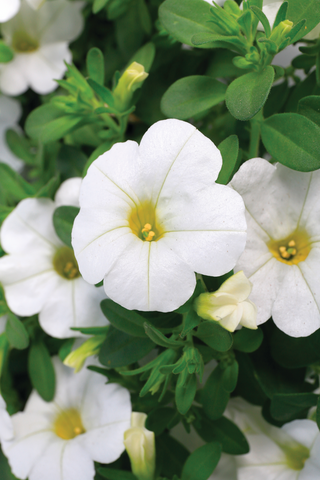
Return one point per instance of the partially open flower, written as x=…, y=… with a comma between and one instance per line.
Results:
x=229, y=306
x=152, y=215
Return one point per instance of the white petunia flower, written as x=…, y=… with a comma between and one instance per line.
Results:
x=282, y=254
x=40, y=41
x=229, y=305
x=152, y=215
x=288, y=453
x=40, y=274
x=10, y=113
x=60, y=440
x=68, y=192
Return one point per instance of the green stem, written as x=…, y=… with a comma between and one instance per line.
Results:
x=255, y=135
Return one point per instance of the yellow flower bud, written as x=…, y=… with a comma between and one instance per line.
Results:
x=90, y=347
x=130, y=80
x=229, y=305
x=140, y=446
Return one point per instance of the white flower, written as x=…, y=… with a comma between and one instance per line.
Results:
x=40, y=273
x=10, y=113
x=282, y=254
x=140, y=446
x=9, y=8
x=68, y=192
x=151, y=215
x=60, y=440
x=229, y=305
x=40, y=42
x=287, y=453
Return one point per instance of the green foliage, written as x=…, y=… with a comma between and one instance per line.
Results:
x=113, y=474
x=127, y=321
x=215, y=336
x=202, y=462
x=41, y=371
x=247, y=94
x=296, y=151
x=286, y=407
x=16, y=333
x=171, y=455
x=214, y=396
x=231, y=157
x=191, y=95
x=160, y=419
x=310, y=11
x=95, y=63
x=63, y=218
x=13, y=187
x=247, y=340
x=6, y=53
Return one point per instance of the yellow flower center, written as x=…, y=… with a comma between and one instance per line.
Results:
x=291, y=250
x=65, y=263
x=143, y=222
x=68, y=424
x=296, y=456
x=23, y=43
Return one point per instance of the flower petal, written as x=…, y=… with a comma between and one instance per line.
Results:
x=310, y=214
x=238, y=285
x=9, y=9
x=74, y=303
x=176, y=159
x=68, y=192
x=249, y=315
x=281, y=193
x=29, y=228
x=60, y=20
x=12, y=76
x=152, y=276
x=303, y=431
x=295, y=310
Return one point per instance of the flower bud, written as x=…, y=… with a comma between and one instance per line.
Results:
x=90, y=347
x=130, y=80
x=229, y=305
x=140, y=446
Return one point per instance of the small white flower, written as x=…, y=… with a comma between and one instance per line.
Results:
x=282, y=254
x=60, y=440
x=10, y=113
x=140, y=446
x=229, y=306
x=39, y=40
x=152, y=215
x=40, y=274
x=287, y=453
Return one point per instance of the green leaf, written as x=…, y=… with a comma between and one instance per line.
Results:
x=276, y=100
x=6, y=53
x=63, y=218
x=281, y=14
x=214, y=397
x=247, y=94
x=247, y=340
x=49, y=189
x=104, y=93
x=230, y=376
x=145, y=56
x=310, y=107
x=3, y=304
x=113, y=474
x=16, y=333
x=13, y=187
x=191, y=95
x=299, y=10
x=95, y=64
x=292, y=140
x=191, y=321
x=229, y=149
x=185, y=391
x=202, y=462
x=184, y=19
x=120, y=349
x=159, y=339
x=318, y=413
x=248, y=386
x=20, y=146
x=159, y=419
x=285, y=407
x=171, y=455
x=215, y=336
x=263, y=19
x=91, y=330
x=292, y=352
x=127, y=321
x=98, y=5
x=41, y=371
x=48, y=123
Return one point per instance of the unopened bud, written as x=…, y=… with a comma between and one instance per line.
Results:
x=130, y=80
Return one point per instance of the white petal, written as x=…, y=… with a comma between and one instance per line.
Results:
x=310, y=214
x=231, y=321
x=177, y=159
x=68, y=192
x=149, y=276
x=10, y=110
x=207, y=230
x=74, y=303
x=249, y=315
x=36, y=3
x=60, y=21
x=8, y=9
x=267, y=472
x=238, y=285
x=273, y=195
x=263, y=452
x=303, y=431
x=295, y=311
x=12, y=76
x=30, y=228
x=6, y=427
x=63, y=460
x=28, y=281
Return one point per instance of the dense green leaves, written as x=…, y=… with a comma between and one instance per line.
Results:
x=247, y=94
x=292, y=140
x=191, y=95
x=63, y=219
x=41, y=371
x=202, y=462
x=127, y=321
x=120, y=349
x=310, y=11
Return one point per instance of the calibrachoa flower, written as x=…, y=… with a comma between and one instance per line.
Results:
x=282, y=255
x=60, y=440
x=152, y=215
x=10, y=113
x=229, y=306
x=9, y=8
x=40, y=274
x=289, y=453
x=40, y=41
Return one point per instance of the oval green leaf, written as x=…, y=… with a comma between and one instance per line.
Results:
x=247, y=94
x=16, y=333
x=41, y=371
x=202, y=462
x=63, y=219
